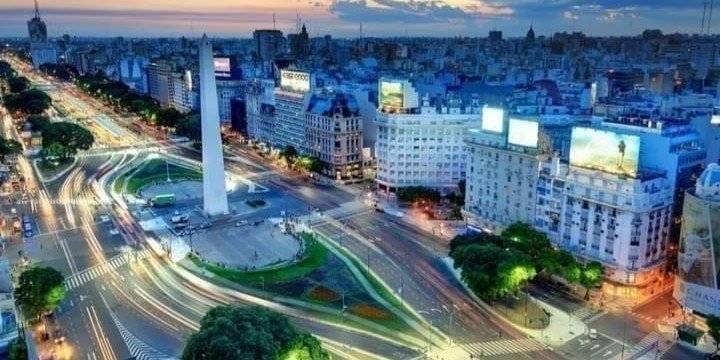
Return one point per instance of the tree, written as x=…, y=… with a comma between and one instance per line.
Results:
x=32, y=101
x=232, y=332
x=289, y=153
x=713, y=323
x=6, y=71
x=190, y=127
x=39, y=290
x=310, y=163
x=18, y=84
x=528, y=240
x=592, y=276
x=18, y=350
x=64, y=139
x=9, y=147
x=415, y=193
x=38, y=122
x=168, y=117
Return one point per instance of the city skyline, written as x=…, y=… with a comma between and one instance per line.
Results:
x=342, y=18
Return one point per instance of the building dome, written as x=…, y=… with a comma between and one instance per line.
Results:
x=708, y=184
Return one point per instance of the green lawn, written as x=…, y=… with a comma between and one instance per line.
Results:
x=313, y=258
x=155, y=171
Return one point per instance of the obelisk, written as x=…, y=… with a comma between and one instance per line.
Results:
x=214, y=194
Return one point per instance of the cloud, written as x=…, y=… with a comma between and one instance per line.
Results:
x=570, y=15
x=430, y=11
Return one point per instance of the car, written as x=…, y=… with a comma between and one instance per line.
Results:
x=205, y=225
x=28, y=233
x=242, y=223
x=58, y=336
x=593, y=334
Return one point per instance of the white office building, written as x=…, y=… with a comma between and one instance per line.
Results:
x=502, y=170
x=291, y=103
x=421, y=143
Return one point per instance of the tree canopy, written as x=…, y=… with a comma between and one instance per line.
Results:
x=38, y=122
x=232, y=332
x=9, y=147
x=32, y=101
x=64, y=72
x=713, y=323
x=119, y=95
x=496, y=265
x=18, y=84
x=39, y=289
x=190, y=127
x=64, y=139
x=6, y=71
x=310, y=163
x=18, y=350
x=415, y=193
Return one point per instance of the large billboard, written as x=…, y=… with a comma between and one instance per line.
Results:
x=295, y=81
x=492, y=119
x=523, y=132
x=698, y=255
x=392, y=94
x=606, y=151
x=222, y=64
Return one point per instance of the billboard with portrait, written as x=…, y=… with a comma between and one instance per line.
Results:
x=392, y=94
x=523, y=133
x=492, y=119
x=295, y=81
x=606, y=151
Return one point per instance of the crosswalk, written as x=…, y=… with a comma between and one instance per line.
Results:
x=503, y=347
x=646, y=350
x=139, y=349
x=92, y=273
x=585, y=313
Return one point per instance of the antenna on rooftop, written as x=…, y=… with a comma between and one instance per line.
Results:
x=37, y=10
x=702, y=22
x=709, y=22
x=274, y=21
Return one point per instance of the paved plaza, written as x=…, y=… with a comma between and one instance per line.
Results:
x=183, y=190
x=249, y=246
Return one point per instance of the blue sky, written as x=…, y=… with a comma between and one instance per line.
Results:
x=342, y=18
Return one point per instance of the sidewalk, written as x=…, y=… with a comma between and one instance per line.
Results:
x=562, y=328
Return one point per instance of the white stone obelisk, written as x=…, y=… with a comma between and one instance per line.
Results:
x=214, y=194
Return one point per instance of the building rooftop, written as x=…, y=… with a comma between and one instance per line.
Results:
x=331, y=104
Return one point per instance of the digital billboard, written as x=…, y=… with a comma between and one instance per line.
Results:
x=715, y=120
x=523, y=132
x=605, y=151
x=295, y=81
x=221, y=66
x=492, y=119
x=391, y=94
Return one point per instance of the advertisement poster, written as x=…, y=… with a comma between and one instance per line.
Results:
x=295, y=81
x=523, y=133
x=492, y=119
x=605, y=151
x=391, y=94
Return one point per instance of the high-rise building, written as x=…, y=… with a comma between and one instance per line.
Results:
x=159, y=81
x=291, y=102
x=260, y=108
x=214, y=194
x=502, y=169
x=421, y=144
x=132, y=73
x=300, y=44
x=698, y=274
x=268, y=44
x=334, y=134
x=228, y=89
x=41, y=50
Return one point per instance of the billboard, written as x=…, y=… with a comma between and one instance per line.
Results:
x=295, y=81
x=492, y=119
x=523, y=133
x=392, y=94
x=715, y=120
x=221, y=66
x=605, y=151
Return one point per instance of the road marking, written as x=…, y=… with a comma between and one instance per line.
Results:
x=503, y=347
x=92, y=273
